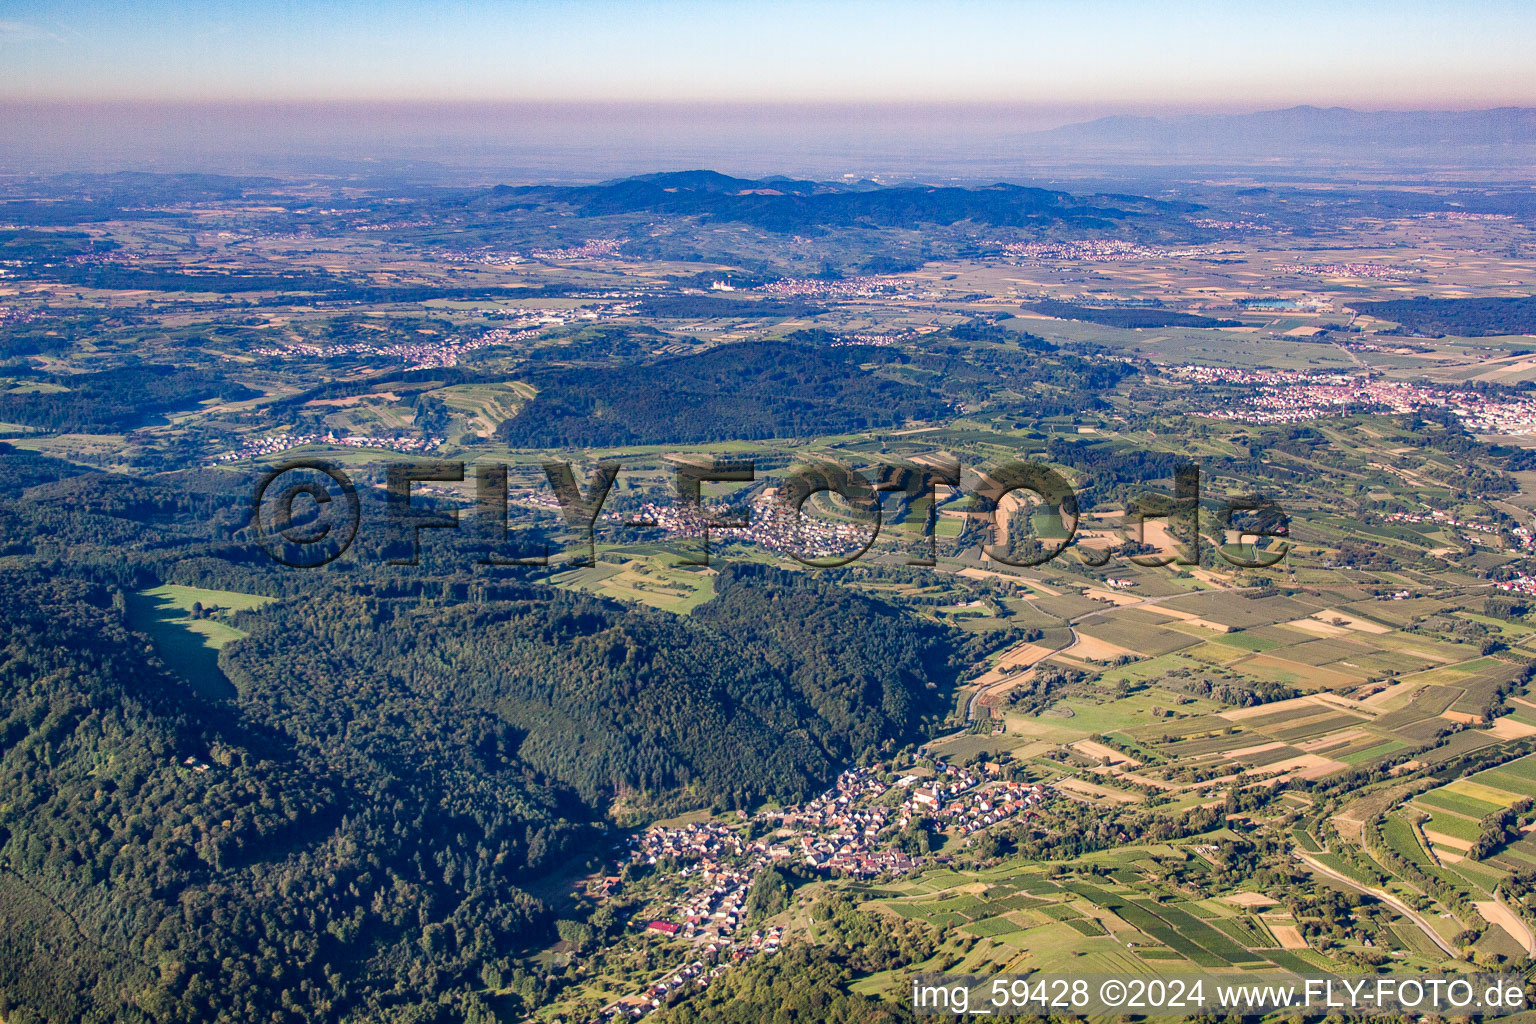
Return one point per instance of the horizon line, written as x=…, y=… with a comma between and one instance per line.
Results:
x=945, y=103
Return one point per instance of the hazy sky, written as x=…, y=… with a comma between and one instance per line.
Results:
x=1084, y=54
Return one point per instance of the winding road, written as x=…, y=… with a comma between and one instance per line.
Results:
x=976, y=695
x=1385, y=897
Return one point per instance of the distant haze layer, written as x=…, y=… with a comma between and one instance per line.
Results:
x=586, y=142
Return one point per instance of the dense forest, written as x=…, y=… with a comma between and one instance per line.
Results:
x=117, y=400
x=746, y=699
x=23, y=244
x=1469, y=318
x=734, y=392
x=351, y=834
x=166, y=859
x=1018, y=373
x=809, y=384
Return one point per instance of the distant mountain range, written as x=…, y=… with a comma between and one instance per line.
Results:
x=1505, y=136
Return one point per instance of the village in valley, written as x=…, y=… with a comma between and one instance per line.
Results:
x=854, y=830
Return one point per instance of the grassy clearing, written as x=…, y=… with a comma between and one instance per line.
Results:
x=190, y=646
x=644, y=580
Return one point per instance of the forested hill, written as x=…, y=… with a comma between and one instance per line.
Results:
x=352, y=834
x=764, y=692
x=742, y=391
x=785, y=205
x=806, y=385
x=167, y=860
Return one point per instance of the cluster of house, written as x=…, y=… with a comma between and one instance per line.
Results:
x=1294, y=397
x=1397, y=348
x=426, y=352
x=399, y=224
x=710, y=913
x=879, y=339
x=705, y=840
x=949, y=780
x=495, y=256
x=984, y=805
x=777, y=526
x=1301, y=402
x=488, y=255
x=841, y=829
x=271, y=444
x=843, y=288
x=634, y=1007
x=771, y=523
x=849, y=829
x=713, y=909
x=1443, y=518
x=1461, y=215
x=12, y=315
x=1197, y=373
x=1087, y=250
x=1487, y=414
x=1525, y=585
x=591, y=249
x=1373, y=270
x=1230, y=225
